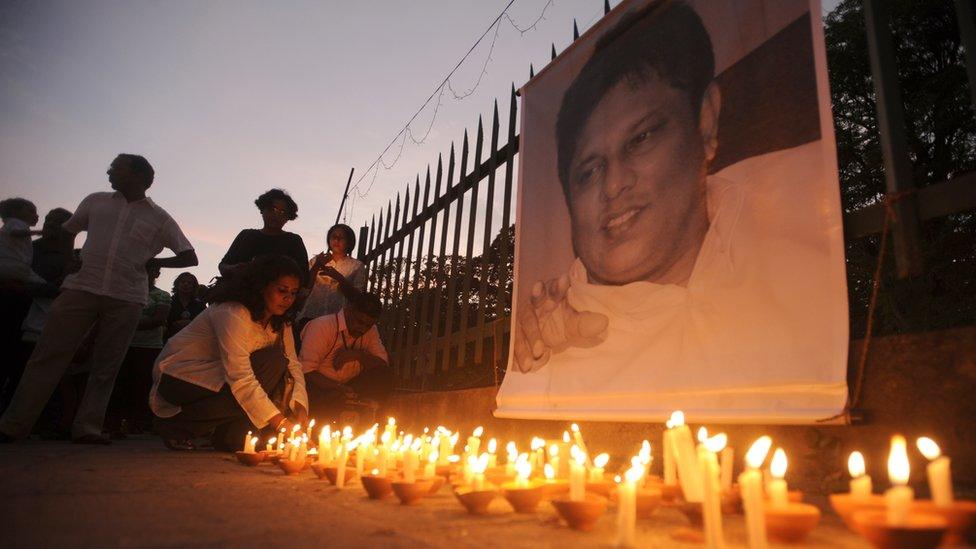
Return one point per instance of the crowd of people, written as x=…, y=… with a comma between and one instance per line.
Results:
x=93, y=349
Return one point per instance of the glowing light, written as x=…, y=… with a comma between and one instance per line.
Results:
x=898, y=466
x=492, y=446
x=758, y=451
x=432, y=457
x=537, y=443
x=634, y=474
x=554, y=450
x=511, y=450
x=575, y=428
x=677, y=419
x=550, y=472
x=928, y=447
x=601, y=460
x=778, y=465
x=645, y=453
x=716, y=443
x=855, y=464
x=478, y=431
x=523, y=469
x=702, y=434
x=578, y=455
x=566, y=437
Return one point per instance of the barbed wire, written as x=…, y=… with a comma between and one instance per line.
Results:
x=406, y=132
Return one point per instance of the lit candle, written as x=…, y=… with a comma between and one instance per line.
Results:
x=341, y=464
x=474, y=442
x=389, y=432
x=562, y=471
x=727, y=461
x=689, y=473
x=271, y=444
x=444, y=445
x=384, y=452
x=577, y=474
x=308, y=430
x=778, y=491
x=430, y=469
x=670, y=473
x=478, y=467
x=578, y=438
x=513, y=455
x=523, y=470
x=627, y=507
x=325, y=440
x=711, y=505
x=751, y=488
x=939, y=472
x=860, y=482
x=554, y=458
x=282, y=440
x=249, y=443
x=410, y=463
x=538, y=453
x=492, y=458
x=599, y=463
x=898, y=498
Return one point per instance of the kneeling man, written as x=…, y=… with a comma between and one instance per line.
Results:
x=343, y=358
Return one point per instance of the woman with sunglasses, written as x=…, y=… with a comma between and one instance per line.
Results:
x=277, y=208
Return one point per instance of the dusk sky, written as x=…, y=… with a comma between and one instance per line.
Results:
x=228, y=99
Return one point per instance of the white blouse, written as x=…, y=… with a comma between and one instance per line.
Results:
x=325, y=297
x=214, y=349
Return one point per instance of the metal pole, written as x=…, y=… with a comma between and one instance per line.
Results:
x=894, y=145
x=344, y=195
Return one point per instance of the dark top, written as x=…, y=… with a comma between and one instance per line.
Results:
x=251, y=243
x=178, y=312
x=52, y=259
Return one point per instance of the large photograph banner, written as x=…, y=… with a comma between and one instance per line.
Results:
x=679, y=242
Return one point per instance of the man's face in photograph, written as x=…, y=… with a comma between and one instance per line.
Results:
x=636, y=179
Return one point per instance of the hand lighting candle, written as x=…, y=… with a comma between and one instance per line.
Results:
x=778, y=491
x=689, y=474
x=860, y=483
x=939, y=473
x=751, y=488
x=898, y=498
x=599, y=463
x=577, y=474
x=627, y=506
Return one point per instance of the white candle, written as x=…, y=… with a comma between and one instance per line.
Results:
x=383, y=457
x=538, y=453
x=430, y=469
x=444, y=445
x=474, y=442
x=684, y=448
x=627, y=507
x=513, y=455
x=410, y=463
x=898, y=498
x=492, y=458
x=727, y=462
x=670, y=473
x=523, y=470
x=389, y=432
x=860, y=482
x=325, y=440
x=308, y=430
x=554, y=458
x=562, y=471
x=751, y=488
x=578, y=440
x=270, y=447
x=577, y=475
x=249, y=443
x=478, y=466
x=341, y=465
x=939, y=472
x=778, y=490
x=645, y=458
x=711, y=505
x=599, y=463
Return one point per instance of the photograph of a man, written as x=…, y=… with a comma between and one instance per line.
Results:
x=711, y=288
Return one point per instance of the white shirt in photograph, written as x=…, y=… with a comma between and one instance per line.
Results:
x=215, y=349
x=122, y=237
x=324, y=336
x=325, y=297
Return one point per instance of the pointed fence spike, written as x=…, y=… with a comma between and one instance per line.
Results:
x=531, y=71
x=606, y=7
x=575, y=30
x=553, y=53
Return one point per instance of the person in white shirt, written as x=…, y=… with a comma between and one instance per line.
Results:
x=16, y=251
x=233, y=369
x=126, y=230
x=332, y=272
x=343, y=358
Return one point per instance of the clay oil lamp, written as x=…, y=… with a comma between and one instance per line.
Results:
x=860, y=496
x=579, y=509
x=248, y=456
x=377, y=485
x=408, y=488
x=786, y=521
x=476, y=495
x=523, y=494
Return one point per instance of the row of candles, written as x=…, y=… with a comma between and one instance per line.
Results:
x=704, y=471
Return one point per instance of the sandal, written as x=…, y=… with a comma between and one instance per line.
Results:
x=179, y=444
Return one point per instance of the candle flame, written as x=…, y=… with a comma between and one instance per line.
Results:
x=553, y=450
x=898, y=466
x=601, y=460
x=296, y=428
x=677, y=419
x=634, y=474
x=758, y=451
x=454, y=458
x=702, y=434
x=716, y=443
x=311, y=424
x=575, y=428
x=928, y=447
x=550, y=472
x=616, y=478
x=375, y=472
x=778, y=465
x=537, y=443
x=511, y=449
x=432, y=457
x=492, y=446
x=477, y=465
x=272, y=440
x=578, y=455
x=566, y=437
x=645, y=452
x=254, y=440
x=478, y=431
x=855, y=464
x=391, y=421
x=523, y=469
x=347, y=432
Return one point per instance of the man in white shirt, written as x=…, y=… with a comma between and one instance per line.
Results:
x=343, y=358
x=125, y=232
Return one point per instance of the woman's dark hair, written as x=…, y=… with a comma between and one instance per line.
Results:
x=12, y=206
x=347, y=232
x=267, y=199
x=247, y=286
x=181, y=276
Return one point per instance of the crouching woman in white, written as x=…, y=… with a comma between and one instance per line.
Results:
x=233, y=369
